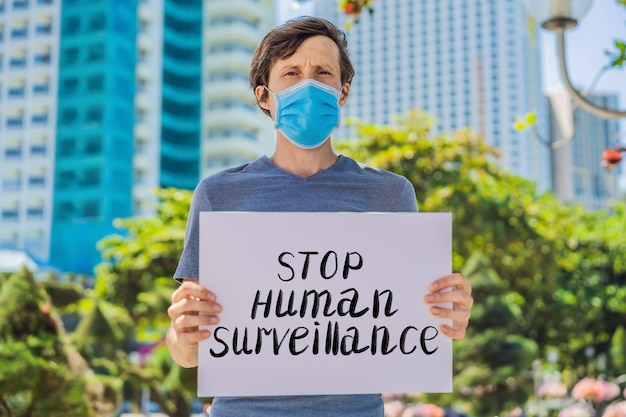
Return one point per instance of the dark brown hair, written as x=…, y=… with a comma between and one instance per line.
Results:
x=283, y=41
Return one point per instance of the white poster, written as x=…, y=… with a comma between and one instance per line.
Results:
x=324, y=303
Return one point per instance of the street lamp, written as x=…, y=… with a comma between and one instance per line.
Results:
x=559, y=16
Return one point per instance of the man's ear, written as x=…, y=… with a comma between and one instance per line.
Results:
x=262, y=96
x=345, y=92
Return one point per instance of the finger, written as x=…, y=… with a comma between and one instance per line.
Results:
x=188, y=323
x=193, y=306
x=191, y=289
x=192, y=338
x=456, y=296
x=455, y=280
x=457, y=331
x=460, y=314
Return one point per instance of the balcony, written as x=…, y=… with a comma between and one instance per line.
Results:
x=17, y=92
x=13, y=153
x=146, y=15
x=39, y=119
x=231, y=146
x=15, y=122
x=38, y=150
x=145, y=43
x=247, y=118
x=19, y=33
x=16, y=63
x=232, y=33
x=144, y=72
x=41, y=89
x=37, y=182
x=20, y=4
x=143, y=103
x=236, y=60
x=43, y=29
x=141, y=162
x=9, y=215
x=248, y=9
x=42, y=59
x=34, y=212
x=232, y=89
x=142, y=132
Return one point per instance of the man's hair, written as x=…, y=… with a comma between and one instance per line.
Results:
x=283, y=41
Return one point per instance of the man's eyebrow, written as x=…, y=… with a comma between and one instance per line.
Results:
x=324, y=65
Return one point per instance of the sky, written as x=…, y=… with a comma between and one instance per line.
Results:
x=585, y=53
x=585, y=49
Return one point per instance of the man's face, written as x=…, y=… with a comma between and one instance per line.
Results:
x=316, y=58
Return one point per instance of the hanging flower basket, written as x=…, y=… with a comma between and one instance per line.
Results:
x=354, y=8
x=612, y=157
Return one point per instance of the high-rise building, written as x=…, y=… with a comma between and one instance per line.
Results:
x=28, y=86
x=180, y=158
x=95, y=142
x=151, y=93
x=234, y=130
x=471, y=63
x=578, y=175
x=148, y=120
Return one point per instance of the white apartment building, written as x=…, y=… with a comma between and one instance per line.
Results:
x=29, y=33
x=146, y=161
x=471, y=63
x=234, y=130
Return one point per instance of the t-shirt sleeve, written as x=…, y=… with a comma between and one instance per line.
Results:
x=407, y=202
x=189, y=260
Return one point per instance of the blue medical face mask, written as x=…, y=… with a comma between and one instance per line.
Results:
x=307, y=112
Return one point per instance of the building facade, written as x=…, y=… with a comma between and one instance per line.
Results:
x=93, y=177
x=234, y=130
x=469, y=64
x=181, y=93
x=103, y=101
x=148, y=99
x=28, y=91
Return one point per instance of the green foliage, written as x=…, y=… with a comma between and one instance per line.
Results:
x=138, y=267
x=40, y=373
x=525, y=122
x=544, y=275
x=618, y=57
x=127, y=308
x=64, y=293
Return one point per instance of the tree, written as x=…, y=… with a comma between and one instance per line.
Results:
x=41, y=374
x=126, y=312
x=510, y=243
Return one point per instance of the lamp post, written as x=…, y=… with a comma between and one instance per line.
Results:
x=559, y=16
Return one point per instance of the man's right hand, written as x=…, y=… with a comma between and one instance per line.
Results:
x=192, y=306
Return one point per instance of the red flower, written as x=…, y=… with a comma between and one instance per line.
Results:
x=352, y=8
x=612, y=157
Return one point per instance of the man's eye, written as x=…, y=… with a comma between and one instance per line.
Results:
x=291, y=73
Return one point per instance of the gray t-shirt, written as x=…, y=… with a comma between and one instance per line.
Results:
x=262, y=186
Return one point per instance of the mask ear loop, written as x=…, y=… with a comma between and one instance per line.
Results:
x=343, y=94
x=272, y=93
x=277, y=101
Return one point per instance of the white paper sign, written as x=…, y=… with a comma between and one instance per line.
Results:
x=324, y=303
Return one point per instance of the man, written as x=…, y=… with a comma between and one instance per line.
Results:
x=301, y=76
